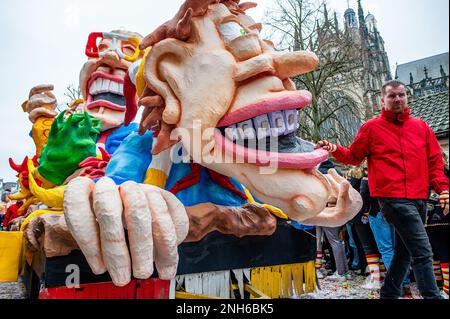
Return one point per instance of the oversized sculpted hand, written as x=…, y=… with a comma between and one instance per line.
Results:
x=41, y=102
x=97, y=215
x=342, y=205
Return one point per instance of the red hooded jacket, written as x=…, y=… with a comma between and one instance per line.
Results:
x=403, y=156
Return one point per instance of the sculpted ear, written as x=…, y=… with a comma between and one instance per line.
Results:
x=159, y=68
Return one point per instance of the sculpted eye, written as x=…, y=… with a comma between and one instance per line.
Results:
x=102, y=47
x=128, y=49
x=231, y=31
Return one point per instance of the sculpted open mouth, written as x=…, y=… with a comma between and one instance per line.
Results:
x=105, y=91
x=265, y=133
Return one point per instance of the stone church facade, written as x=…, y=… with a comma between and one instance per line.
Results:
x=372, y=69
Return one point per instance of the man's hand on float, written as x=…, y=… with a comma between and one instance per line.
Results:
x=444, y=202
x=155, y=220
x=324, y=144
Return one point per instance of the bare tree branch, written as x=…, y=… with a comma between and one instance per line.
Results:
x=300, y=25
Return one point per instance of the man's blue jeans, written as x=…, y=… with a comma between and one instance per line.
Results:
x=355, y=262
x=412, y=246
x=384, y=234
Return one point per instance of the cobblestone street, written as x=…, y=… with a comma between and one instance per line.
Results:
x=12, y=290
x=351, y=289
x=328, y=290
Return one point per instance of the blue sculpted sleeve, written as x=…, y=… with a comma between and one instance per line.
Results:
x=131, y=159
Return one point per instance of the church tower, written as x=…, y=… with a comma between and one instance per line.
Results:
x=350, y=19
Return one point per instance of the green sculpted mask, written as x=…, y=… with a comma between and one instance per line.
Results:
x=70, y=141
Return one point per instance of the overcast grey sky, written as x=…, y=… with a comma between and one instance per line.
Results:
x=43, y=41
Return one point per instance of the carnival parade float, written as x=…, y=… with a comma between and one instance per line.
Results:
x=210, y=194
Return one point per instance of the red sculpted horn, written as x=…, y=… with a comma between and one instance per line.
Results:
x=14, y=166
x=35, y=160
x=24, y=166
x=17, y=168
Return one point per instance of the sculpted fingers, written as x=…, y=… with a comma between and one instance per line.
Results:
x=16, y=223
x=154, y=37
x=40, y=89
x=153, y=117
x=334, y=174
x=356, y=202
x=108, y=210
x=39, y=100
x=164, y=235
x=176, y=209
x=81, y=221
x=348, y=203
x=33, y=231
x=334, y=216
x=139, y=223
x=347, y=194
x=165, y=140
x=178, y=213
x=343, y=200
x=334, y=186
x=40, y=95
x=337, y=213
x=151, y=101
x=340, y=214
x=153, y=110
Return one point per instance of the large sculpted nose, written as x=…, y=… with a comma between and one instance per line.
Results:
x=284, y=65
x=290, y=64
x=111, y=59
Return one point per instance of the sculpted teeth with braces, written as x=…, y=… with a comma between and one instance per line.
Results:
x=272, y=132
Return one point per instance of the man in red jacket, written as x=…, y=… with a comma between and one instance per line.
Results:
x=403, y=156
